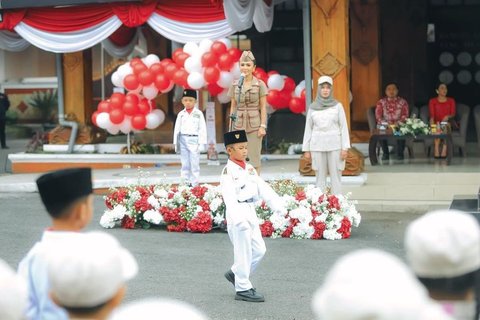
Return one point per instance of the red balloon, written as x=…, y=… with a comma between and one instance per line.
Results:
x=139, y=68
x=146, y=77
x=170, y=70
x=180, y=78
x=132, y=97
x=117, y=116
x=225, y=62
x=235, y=53
x=131, y=82
x=156, y=68
x=297, y=105
x=289, y=84
x=211, y=74
x=218, y=48
x=130, y=108
x=214, y=89
x=209, y=59
x=180, y=60
x=284, y=98
x=116, y=100
x=134, y=61
x=103, y=106
x=165, y=62
x=162, y=82
x=273, y=98
x=94, y=118
x=176, y=53
x=302, y=94
x=139, y=122
x=144, y=107
x=272, y=72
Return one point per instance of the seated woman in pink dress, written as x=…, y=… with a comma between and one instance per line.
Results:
x=442, y=109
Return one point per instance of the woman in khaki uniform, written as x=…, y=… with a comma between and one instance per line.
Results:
x=248, y=107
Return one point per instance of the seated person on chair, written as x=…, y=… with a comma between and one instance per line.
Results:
x=441, y=109
x=391, y=109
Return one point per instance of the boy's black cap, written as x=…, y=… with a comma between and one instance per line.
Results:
x=58, y=189
x=189, y=93
x=234, y=137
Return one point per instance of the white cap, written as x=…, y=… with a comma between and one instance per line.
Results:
x=325, y=79
x=443, y=244
x=371, y=284
x=88, y=269
x=13, y=294
x=157, y=308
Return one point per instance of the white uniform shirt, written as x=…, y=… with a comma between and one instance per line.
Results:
x=191, y=124
x=326, y=130
x=239, y=185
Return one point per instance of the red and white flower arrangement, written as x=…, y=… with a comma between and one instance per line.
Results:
x=310, y=213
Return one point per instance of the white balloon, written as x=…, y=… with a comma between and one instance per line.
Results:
x=205, y=45
x=225, y=80
x=223, y=96
x=190, y=48
x=227, y=42
x=150, y=92
x=299, y=88
x=103, y=120
x=126, y=125
x=235, y=71
x=275, y=81
x=151, y=59
x=124, y=70
x=195, y=80
x=193, y=64
x=160, y=114
x=170, y=87
x=152, y=121
x=117, y=80
x=114, y=129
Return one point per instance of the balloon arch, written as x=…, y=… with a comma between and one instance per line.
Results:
x=210, y=65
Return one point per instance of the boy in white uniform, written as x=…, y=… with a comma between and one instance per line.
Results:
x=241, y=187
x=190, y=137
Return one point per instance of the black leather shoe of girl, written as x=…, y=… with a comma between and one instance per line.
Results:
x=250, y=296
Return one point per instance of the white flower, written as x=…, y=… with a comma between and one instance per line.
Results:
x=332, y=235
x=303, y=231
x=279, y=222
x=153, y=202
x=218, y=219
x=312, y=193
x=215, y=204
x=153, y=216
x=118, y=212
x=161, y=193
x=304, y=215
x=106, y=221
x=321, y=217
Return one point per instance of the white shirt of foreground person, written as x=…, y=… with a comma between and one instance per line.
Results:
x=241, y=188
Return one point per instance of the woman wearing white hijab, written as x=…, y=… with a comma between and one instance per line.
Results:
x=326, y=140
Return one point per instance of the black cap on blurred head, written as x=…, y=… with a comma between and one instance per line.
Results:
x=189, y=93
x=235, y=137
x=59, y=189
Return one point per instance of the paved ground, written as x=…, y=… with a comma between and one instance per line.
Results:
x=190, y=267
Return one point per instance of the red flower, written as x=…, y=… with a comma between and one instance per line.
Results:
x=319, y=227
x=199, y=191
x=288, y=232
x=128, y=223
x=267, y=229
x=201, y=223
x=177, y=227
x=333, y=202
x=115, y=197
x=345, y=228
x=300, y=196
x=204, y=204
x=142, y=205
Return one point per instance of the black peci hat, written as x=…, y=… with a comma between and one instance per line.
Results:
x=234, y=137
x=189, y=93
x=59, y=189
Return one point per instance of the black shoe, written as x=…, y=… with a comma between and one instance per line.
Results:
x=385, y=156
x=5, y=147
x=230, y=276
x=400, y=157
x=250, y=296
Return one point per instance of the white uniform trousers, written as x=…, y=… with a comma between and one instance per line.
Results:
x=190, y=158
x=248, y=249
x=328, y=162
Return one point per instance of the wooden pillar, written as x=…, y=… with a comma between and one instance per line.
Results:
x=366, y=82
x=77, y=75
x=330, y=47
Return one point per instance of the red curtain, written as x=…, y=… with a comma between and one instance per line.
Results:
x=122, y=36
x=11, y=18
x=191, y=11
x=134, y=15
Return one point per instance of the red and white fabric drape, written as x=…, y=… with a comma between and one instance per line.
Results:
x=75, y=28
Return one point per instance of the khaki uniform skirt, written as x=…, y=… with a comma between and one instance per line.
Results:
x=254, y=148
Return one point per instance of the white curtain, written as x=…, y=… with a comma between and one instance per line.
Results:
x=120, y=52
x=189, y=32
x=68, y=41
x=241, y=14
x=11, y=41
